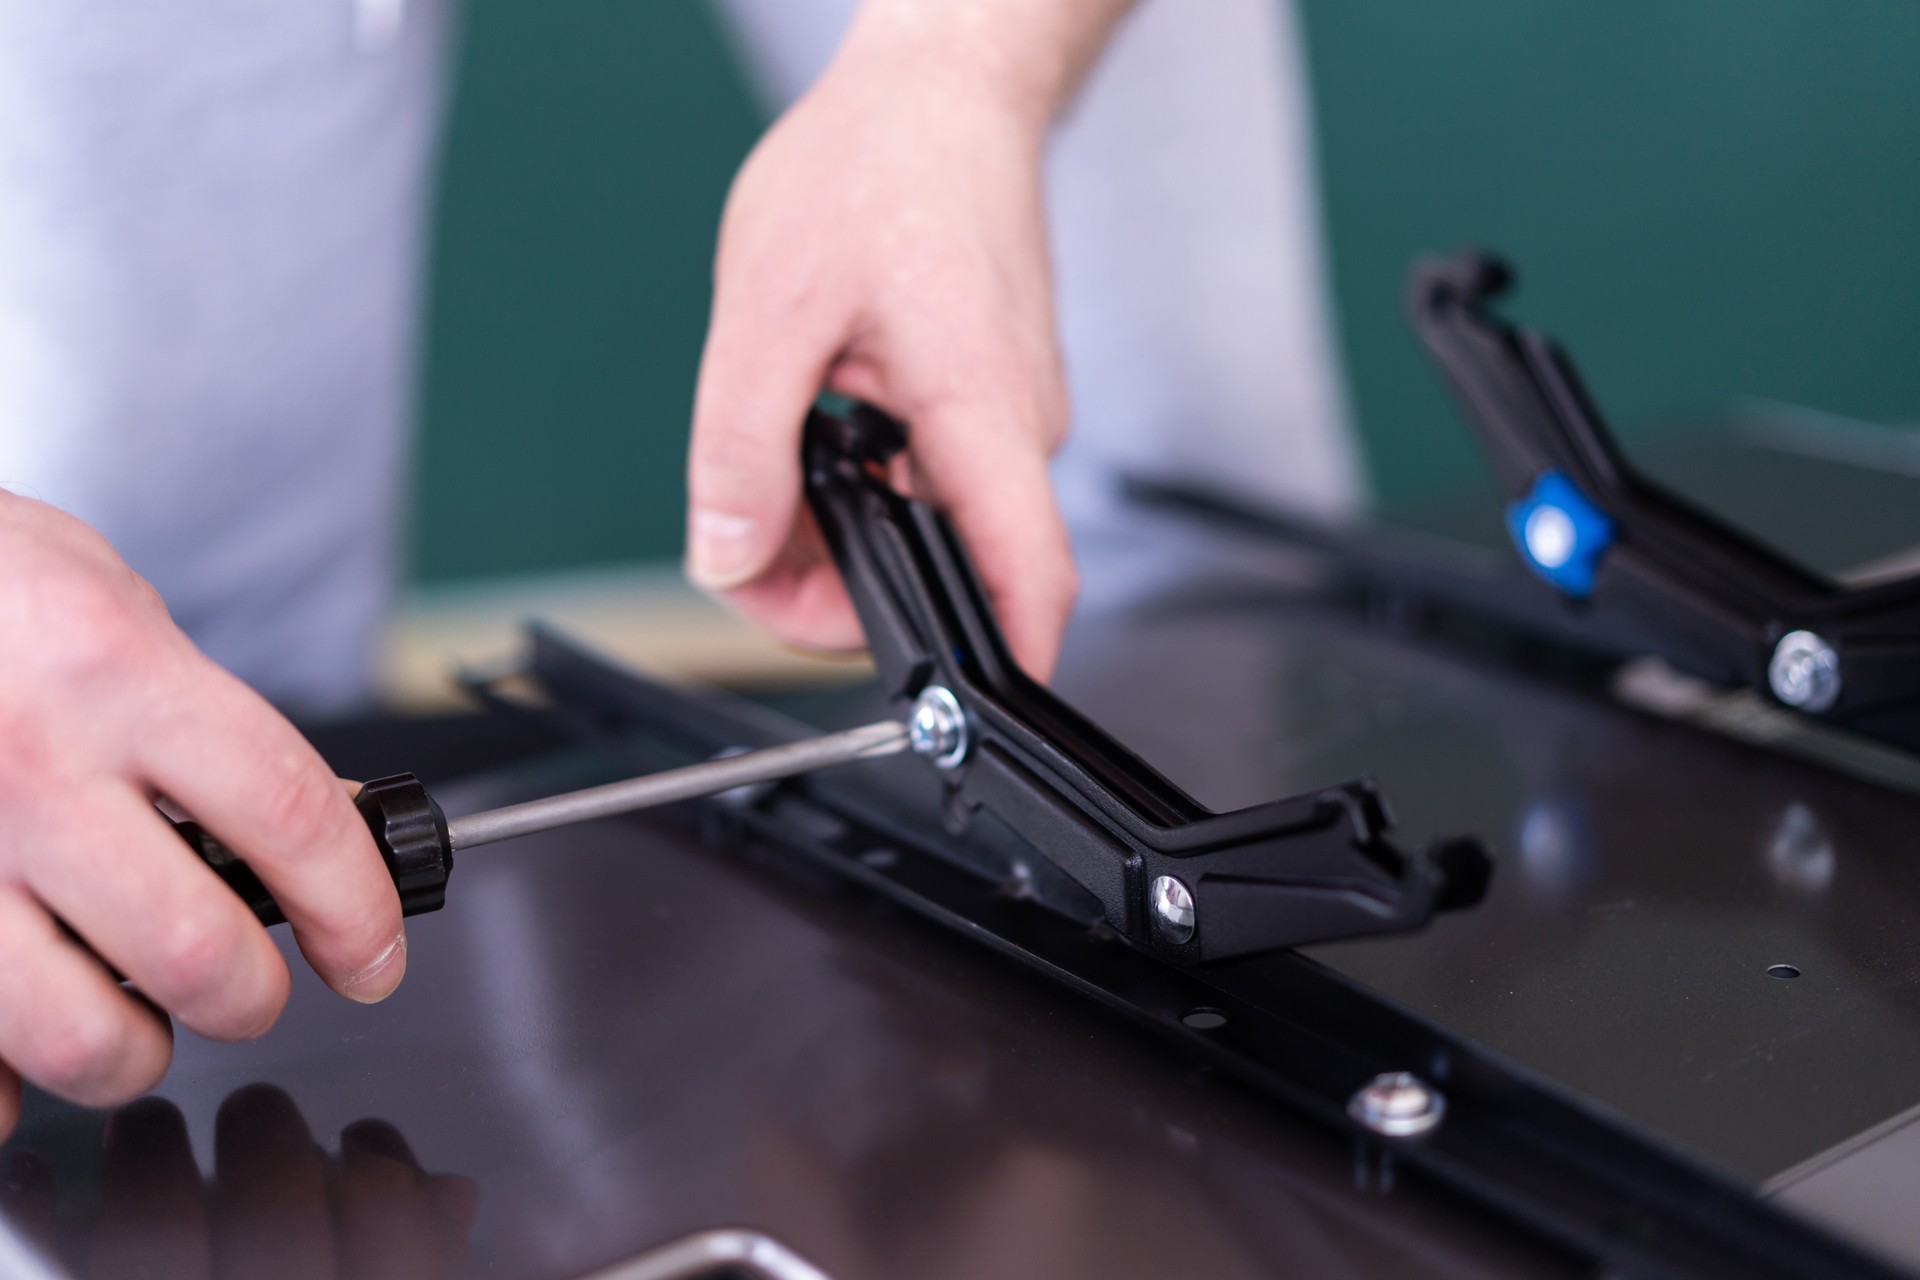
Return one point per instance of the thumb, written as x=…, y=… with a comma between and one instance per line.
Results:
x=743, y=467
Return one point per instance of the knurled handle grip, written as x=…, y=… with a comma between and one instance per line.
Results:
x=407, y=827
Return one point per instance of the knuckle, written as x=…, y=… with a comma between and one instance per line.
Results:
x=1063, y=587
x=97, y=634
x=720, y=444
x=29, y=787
x=727, y=451
x=194, y=957
x=250, y=999
x=1056, y=416
x=299, y=801
x=81, y=1055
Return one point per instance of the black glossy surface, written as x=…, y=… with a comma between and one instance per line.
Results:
x=1653, y=874
x=1649, y=874
x=620, y=1036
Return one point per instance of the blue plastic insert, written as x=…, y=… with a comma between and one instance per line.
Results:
x=1560, y=533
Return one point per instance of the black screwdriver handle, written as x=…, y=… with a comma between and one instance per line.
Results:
x=407, y=826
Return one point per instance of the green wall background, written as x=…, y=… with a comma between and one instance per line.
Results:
x=584, y=169
x=1707, y=200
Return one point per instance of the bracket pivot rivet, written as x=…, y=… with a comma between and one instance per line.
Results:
x=1173, y=907
x=937, y=729
x=1550, y=536
x=1805, y=671
x=1562, y=535
x=1398, y=1104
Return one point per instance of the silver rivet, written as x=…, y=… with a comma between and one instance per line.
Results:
x=1550, y=537
x=1398, y=1104
x=1805, y=671
x=1173, y=904
x=747, y=796
x=937, y=729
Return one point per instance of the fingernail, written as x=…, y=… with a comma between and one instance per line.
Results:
x=376, y=982
x=722, y=549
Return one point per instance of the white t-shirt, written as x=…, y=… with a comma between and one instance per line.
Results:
x=210, y=228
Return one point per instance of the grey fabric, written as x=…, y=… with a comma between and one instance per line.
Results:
x=211, y=215
x=1193, y=313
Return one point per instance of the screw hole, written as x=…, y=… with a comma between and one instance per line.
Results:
x=1204, y=1019
x=1782, y=971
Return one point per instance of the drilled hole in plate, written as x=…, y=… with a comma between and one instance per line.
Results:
x=879, y=859
x=1782, y=971
x=1204, y=1019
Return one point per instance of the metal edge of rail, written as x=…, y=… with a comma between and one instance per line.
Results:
x=1413, y=1096
x=718, y=1253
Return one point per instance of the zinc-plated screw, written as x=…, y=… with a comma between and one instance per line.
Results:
x=1398, y=1104
x=1805, y=671
x=1173, y=904
x=937, y=729
x=1550, y=536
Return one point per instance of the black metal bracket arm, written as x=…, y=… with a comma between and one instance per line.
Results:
x=1710, y=599
x=1169, y=875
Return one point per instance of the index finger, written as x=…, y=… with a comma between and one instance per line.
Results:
x=220, y=752
x=991, y=479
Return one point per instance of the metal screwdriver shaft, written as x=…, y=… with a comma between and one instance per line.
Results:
x=417, y=843
x=868, y=742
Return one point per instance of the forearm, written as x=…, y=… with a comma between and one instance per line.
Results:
x=1026, y=56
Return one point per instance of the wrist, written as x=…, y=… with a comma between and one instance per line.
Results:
x=1023, y=59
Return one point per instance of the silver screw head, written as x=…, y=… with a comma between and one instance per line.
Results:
x=1398, y=1104
x=1173, y=906
x=1550, y=536
x=937, y=729
x=1805, y=671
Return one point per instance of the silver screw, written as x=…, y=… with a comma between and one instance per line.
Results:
x=1805, y=671
x=1173, y=903
x=1550, y=537
x=937, y=729
x=1398, y=1104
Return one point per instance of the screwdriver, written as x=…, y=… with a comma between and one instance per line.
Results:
x=417, y=842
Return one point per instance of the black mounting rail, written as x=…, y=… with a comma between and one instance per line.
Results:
x=1307, y=869
x=1634, y=558
x=1553, y=1165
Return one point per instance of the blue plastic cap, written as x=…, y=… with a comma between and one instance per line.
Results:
x=1561, y=534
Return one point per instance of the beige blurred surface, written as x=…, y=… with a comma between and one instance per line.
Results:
x=646, y=615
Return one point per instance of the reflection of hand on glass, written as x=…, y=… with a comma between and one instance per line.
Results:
x=277, y=1205
x=989, y=1204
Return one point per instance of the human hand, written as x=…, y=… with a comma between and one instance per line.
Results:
x=104, y=707
x=886, y=241
x=277, y=1205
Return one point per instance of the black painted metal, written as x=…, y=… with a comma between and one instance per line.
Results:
x=1311, y=868
x=1548, y=1161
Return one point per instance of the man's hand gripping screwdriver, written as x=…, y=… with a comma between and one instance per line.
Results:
x=418, y=842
